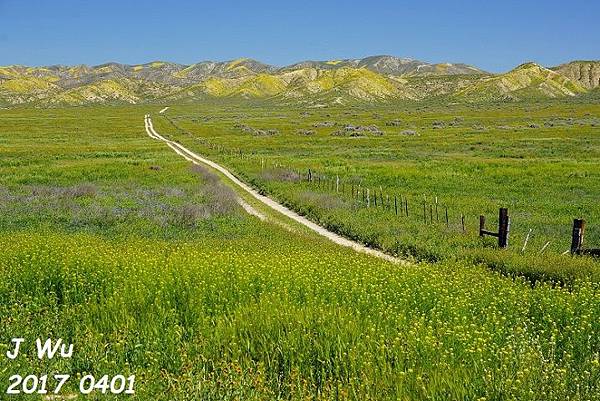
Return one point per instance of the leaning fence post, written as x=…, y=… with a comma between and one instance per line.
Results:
x=544, y=247
x=503, y=227
x=577, y=236
x=526, y=240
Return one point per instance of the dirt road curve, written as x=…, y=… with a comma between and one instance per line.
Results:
x=196, y=159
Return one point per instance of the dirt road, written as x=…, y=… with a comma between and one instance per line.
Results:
x=195, y=158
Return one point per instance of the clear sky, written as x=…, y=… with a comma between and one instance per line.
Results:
x=493, y=35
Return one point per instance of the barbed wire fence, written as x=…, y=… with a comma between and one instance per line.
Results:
x=427, y=209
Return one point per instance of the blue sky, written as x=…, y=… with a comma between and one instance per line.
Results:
x=493, y=35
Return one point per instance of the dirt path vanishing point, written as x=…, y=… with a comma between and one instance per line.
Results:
x=196, y=159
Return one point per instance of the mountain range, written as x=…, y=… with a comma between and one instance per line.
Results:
x=375, y=78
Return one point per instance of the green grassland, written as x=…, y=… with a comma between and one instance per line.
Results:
x=111, y=241
x=541, y=160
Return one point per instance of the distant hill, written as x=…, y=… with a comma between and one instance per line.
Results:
x=370, y=79
x=586, y=73
x=527, y=81
x=390, y=65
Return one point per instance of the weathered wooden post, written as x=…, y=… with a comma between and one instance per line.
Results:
x=577, y=236
x=309, y=175
x=406, y=206
x=481, y=225
x=503, y=227
x=337, y=183
x=447, y=220
x=396, y=205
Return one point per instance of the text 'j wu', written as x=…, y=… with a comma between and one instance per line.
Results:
x=46, y=349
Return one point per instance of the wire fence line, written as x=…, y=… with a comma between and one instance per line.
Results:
x=428, y=210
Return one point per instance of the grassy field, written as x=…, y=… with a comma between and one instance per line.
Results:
x=541, y=160
x=112, y=242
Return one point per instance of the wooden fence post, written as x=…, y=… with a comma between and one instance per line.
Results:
x=503, y=227
x=577, y=236
x=396, y=205
x=447, y=221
